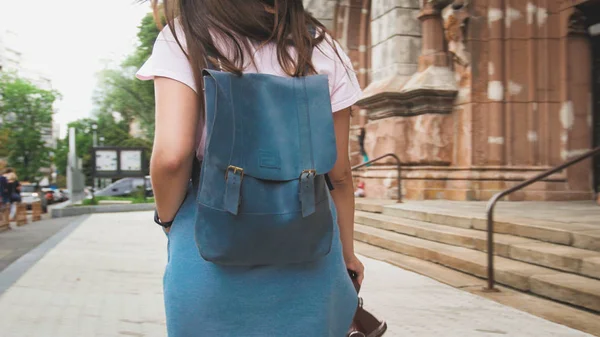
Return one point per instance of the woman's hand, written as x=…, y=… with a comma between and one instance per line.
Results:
x=354, y=264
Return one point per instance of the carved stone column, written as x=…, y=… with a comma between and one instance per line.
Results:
x=496, y=85
x=576, y=97
x=433, y=51
x=412, y=118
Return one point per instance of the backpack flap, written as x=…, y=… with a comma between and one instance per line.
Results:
x=270, y=128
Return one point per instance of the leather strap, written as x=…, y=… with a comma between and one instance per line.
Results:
x=233, y=190
x=234, y=176
x=307, y=193
x=313, y=31
x=196, y=171
x=307, y=177
x=303, y=115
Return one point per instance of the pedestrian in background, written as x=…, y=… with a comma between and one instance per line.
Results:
x=361, y=144
x=271, y=37
x=13, y=191
x=4, y=197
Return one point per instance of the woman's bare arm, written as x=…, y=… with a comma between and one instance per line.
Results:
x=343, y=192
x=174, y=144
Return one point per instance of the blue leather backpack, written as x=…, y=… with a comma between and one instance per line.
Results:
x=263, y=196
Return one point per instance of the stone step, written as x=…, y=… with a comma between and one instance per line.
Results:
x=570, y=259
x=372, y=205
x=582, y=236
x=564, y=314
x=568, y=288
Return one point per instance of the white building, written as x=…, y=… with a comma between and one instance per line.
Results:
x=36, y=77
x=12, y=60
x=10, y=53
x=51, y=135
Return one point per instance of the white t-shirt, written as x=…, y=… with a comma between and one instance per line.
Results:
x=168, y=60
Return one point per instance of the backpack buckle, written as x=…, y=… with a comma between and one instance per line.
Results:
x=235, y=170
x=308, y=173
x=307, y=192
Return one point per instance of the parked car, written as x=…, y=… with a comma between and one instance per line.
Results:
x=53, y=196
x=30, y=193
x=60, y=196
x=66, y=193
x=125, y=187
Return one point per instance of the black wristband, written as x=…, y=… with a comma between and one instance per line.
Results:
x=160, y=223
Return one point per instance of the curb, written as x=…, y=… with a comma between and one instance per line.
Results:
x=82, y=210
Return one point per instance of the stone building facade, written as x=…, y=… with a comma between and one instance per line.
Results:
x=473, y=96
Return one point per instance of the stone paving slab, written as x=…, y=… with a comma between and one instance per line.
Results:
x=415, y=305
x=105, y=279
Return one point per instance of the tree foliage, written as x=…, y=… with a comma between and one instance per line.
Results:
x=118, y=89
x=3, y=141
x=26, y=111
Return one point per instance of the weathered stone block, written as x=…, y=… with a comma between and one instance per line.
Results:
x=398, y=21
x=398, y=49
x=380, y=7
x=463, y=150
x=401, y=72
x=568, y=288
x=423, y=139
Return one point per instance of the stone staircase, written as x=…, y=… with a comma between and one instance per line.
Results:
x=553, y=259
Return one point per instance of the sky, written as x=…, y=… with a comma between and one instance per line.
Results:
x=70, y=41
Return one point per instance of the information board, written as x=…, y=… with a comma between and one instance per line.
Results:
x=118, y=162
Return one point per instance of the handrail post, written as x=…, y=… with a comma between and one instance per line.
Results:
x=399, y=180
x=398, y=170
x=492, y=203
x=490, y=244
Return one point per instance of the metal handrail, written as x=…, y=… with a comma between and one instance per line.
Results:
x=398, y=168
x=492, y=203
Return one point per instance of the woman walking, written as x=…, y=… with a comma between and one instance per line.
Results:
x=13, y=191
x=258, y=37
x=4, y=197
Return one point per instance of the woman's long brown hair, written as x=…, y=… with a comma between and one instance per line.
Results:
x=242, y=23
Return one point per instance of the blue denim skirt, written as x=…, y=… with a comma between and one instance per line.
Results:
x=203, y=299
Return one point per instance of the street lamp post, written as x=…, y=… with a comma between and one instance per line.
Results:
x=94, y=128
x=95, y=143
x=102, y=180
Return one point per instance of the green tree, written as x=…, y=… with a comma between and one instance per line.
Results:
x=61, y=155
x=26, y=111
x=119, y=90
x=3, y=141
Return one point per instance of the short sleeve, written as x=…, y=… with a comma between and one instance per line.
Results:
x=344, y=88
x=168, y=60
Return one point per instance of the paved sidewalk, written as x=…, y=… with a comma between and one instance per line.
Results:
x=17, y=241
x=104, y=279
